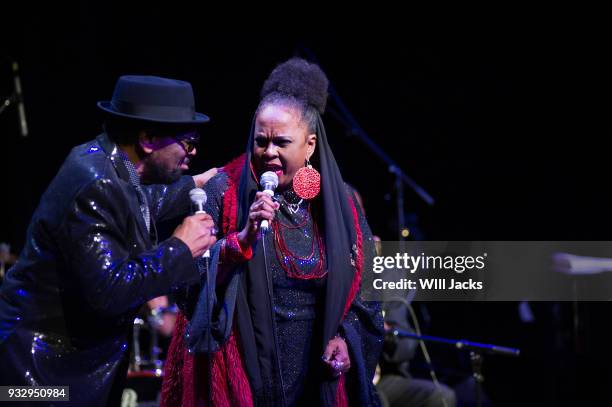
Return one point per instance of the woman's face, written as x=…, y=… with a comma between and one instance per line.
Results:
x=282, y=143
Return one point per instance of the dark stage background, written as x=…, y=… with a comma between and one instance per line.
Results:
x=506, y=129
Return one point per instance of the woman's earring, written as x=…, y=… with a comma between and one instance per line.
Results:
x=307, y=182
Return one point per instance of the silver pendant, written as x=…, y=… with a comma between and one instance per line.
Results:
x=293, y=208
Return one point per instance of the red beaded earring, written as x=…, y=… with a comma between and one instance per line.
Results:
x=307, y=182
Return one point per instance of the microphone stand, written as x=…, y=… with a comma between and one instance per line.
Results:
x=206, y=259
x=14, y=98
x=354, y=129
x=477, y=352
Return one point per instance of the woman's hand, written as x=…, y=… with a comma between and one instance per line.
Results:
x=263, y=208
x=336, y=356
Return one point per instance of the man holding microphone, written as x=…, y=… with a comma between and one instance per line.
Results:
x=92, y=258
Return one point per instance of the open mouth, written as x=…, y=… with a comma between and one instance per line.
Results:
x=278, y=169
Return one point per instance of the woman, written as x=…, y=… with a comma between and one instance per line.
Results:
x=321, y=343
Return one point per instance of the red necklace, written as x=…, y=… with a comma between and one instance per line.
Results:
x=287, y=259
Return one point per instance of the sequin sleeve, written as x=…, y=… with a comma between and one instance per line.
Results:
x=215, y=190
x=231, y=252
x=114, y=277
x=171, y=200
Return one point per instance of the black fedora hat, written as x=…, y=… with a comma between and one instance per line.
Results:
x=153, y=99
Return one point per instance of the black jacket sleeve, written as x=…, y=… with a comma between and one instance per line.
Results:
x=100, y=244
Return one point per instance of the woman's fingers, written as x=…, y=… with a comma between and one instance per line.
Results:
x=328, y=353
x=260, y=196
x=260, y=215
x=263, y=205
x=336, y=356
x=340, y=364
x=263, y=208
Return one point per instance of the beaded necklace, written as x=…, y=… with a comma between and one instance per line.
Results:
x=287, y=259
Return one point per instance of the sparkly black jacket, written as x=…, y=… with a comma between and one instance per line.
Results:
x=89, y=263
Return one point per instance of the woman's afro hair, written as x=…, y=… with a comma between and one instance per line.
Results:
x=299, y=79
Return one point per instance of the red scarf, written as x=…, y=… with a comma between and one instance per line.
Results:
x=185, y=378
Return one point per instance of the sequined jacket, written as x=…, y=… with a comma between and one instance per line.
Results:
x=89, y=263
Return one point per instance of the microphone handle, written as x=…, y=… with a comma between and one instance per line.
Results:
x=207, y=252
x=265, y=225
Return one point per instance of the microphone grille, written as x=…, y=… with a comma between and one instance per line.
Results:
x=197, y=195
x=268, y=177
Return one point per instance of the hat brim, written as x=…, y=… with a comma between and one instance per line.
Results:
x=200, y=118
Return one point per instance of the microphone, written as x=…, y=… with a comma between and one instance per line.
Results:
x=23, y=124
x=198, y=199
x=269, y=182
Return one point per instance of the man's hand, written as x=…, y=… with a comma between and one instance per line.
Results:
x=196, y=232
x=203, y=178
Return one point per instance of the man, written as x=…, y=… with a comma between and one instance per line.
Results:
x=91, y=258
